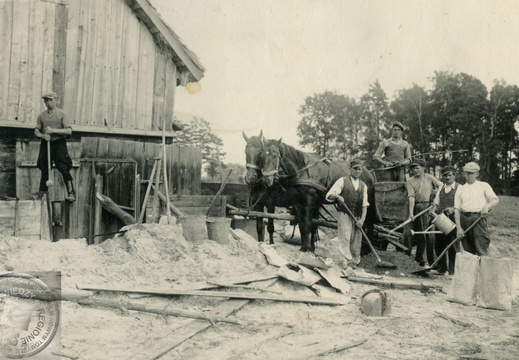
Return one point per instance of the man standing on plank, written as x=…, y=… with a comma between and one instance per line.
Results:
x=53, y=126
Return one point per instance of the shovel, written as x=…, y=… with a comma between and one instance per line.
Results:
x=410, y=219
x=380, y=262
x=424, y=271
x=49, y=184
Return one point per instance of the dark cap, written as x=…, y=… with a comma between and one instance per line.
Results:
x=418, y=162
x=356, y=162
x=447, y=169
x=50, y=95
x=398, y=124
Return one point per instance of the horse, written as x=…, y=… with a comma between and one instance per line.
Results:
x=307, y=179
x=262, y=196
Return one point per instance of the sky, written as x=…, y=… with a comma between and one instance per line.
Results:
x=263, y=58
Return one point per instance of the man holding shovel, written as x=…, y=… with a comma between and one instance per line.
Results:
x=419, y=189
x=353, y=192
x=394, y=153
x=52, y=127
x=472, y=201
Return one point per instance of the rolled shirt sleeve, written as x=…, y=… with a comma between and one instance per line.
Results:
x=336, y=189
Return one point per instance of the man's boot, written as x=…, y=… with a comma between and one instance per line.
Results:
x=71, y=192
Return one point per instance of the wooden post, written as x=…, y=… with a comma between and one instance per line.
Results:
x=143, y=208
x=164, y=166
x=137, y=194
x=98, y=208
x=156, y=200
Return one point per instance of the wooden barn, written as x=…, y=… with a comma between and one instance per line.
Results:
x=115, y=65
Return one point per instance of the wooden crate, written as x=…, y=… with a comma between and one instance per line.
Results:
x=391, y=199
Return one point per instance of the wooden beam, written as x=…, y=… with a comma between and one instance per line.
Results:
x=225, y=294
x=280, y=217
x=98, y=207
x=397, y=283
x=92, y=129
x=174, y=43
x=113, y=208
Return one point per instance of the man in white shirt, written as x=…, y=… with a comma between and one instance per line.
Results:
x=353, y=192
x=472, y=201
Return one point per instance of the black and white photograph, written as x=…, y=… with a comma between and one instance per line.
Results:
x=275, y=179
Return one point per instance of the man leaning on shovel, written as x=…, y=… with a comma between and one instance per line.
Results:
x=52, y=127
x=472, y=201
x=351, y=191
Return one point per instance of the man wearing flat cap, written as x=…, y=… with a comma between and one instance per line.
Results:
x=352, y=191
x=444, y=204
x=53, y=126
x=419, y=189
x=474, y=200
x=394, y=154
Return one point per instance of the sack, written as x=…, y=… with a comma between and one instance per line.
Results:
x=463, y=287
x=495, y=283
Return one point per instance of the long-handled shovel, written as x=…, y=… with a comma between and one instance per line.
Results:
x=380, y=262
x=410, y=219
x=423, y=271
x=49, y=184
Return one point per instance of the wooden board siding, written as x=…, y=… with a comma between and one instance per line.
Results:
x=7, y=166
x=6, y=25
x=20, y=218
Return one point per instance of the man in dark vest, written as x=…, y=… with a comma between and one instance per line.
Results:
x=444, y=204
x=353, y=192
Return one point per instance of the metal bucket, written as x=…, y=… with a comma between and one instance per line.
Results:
x=444, y=224
x=193, y=228
x=218, y=229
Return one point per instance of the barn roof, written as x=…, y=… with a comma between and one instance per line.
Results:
x=189, y=66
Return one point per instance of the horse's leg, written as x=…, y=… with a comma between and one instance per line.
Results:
x=270, y=224
x=313, y=209
x=260, y=228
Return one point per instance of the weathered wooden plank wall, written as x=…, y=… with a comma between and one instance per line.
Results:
x=35, y=60
x=7, y=167
x=116, y=75
x=96, y=54
x=21, y=218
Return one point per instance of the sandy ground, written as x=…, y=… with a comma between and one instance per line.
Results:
x=421, y=325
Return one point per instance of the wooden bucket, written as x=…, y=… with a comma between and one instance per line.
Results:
x=194, y=229
x=444, y=224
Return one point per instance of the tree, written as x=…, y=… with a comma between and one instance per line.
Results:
x=376, y=119
x=502, y=136
x=198, y=133
x=410, y=108
x=316, y=127
x=458, y=105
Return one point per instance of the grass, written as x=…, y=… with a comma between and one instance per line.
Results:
x=504, y=227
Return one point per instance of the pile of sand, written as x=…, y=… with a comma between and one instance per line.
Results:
x=150, y=254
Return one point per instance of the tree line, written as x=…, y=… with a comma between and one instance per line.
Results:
x=456, y=113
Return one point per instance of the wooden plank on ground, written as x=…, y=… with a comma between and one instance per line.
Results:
x=395, y=283
x=225, y=294
x=192, y=328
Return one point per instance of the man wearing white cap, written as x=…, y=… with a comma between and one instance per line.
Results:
x=352, y=191
x=472, y=201
x=53, y=126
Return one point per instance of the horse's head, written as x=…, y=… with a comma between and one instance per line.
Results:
x=270, y=157
x=252, y=157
